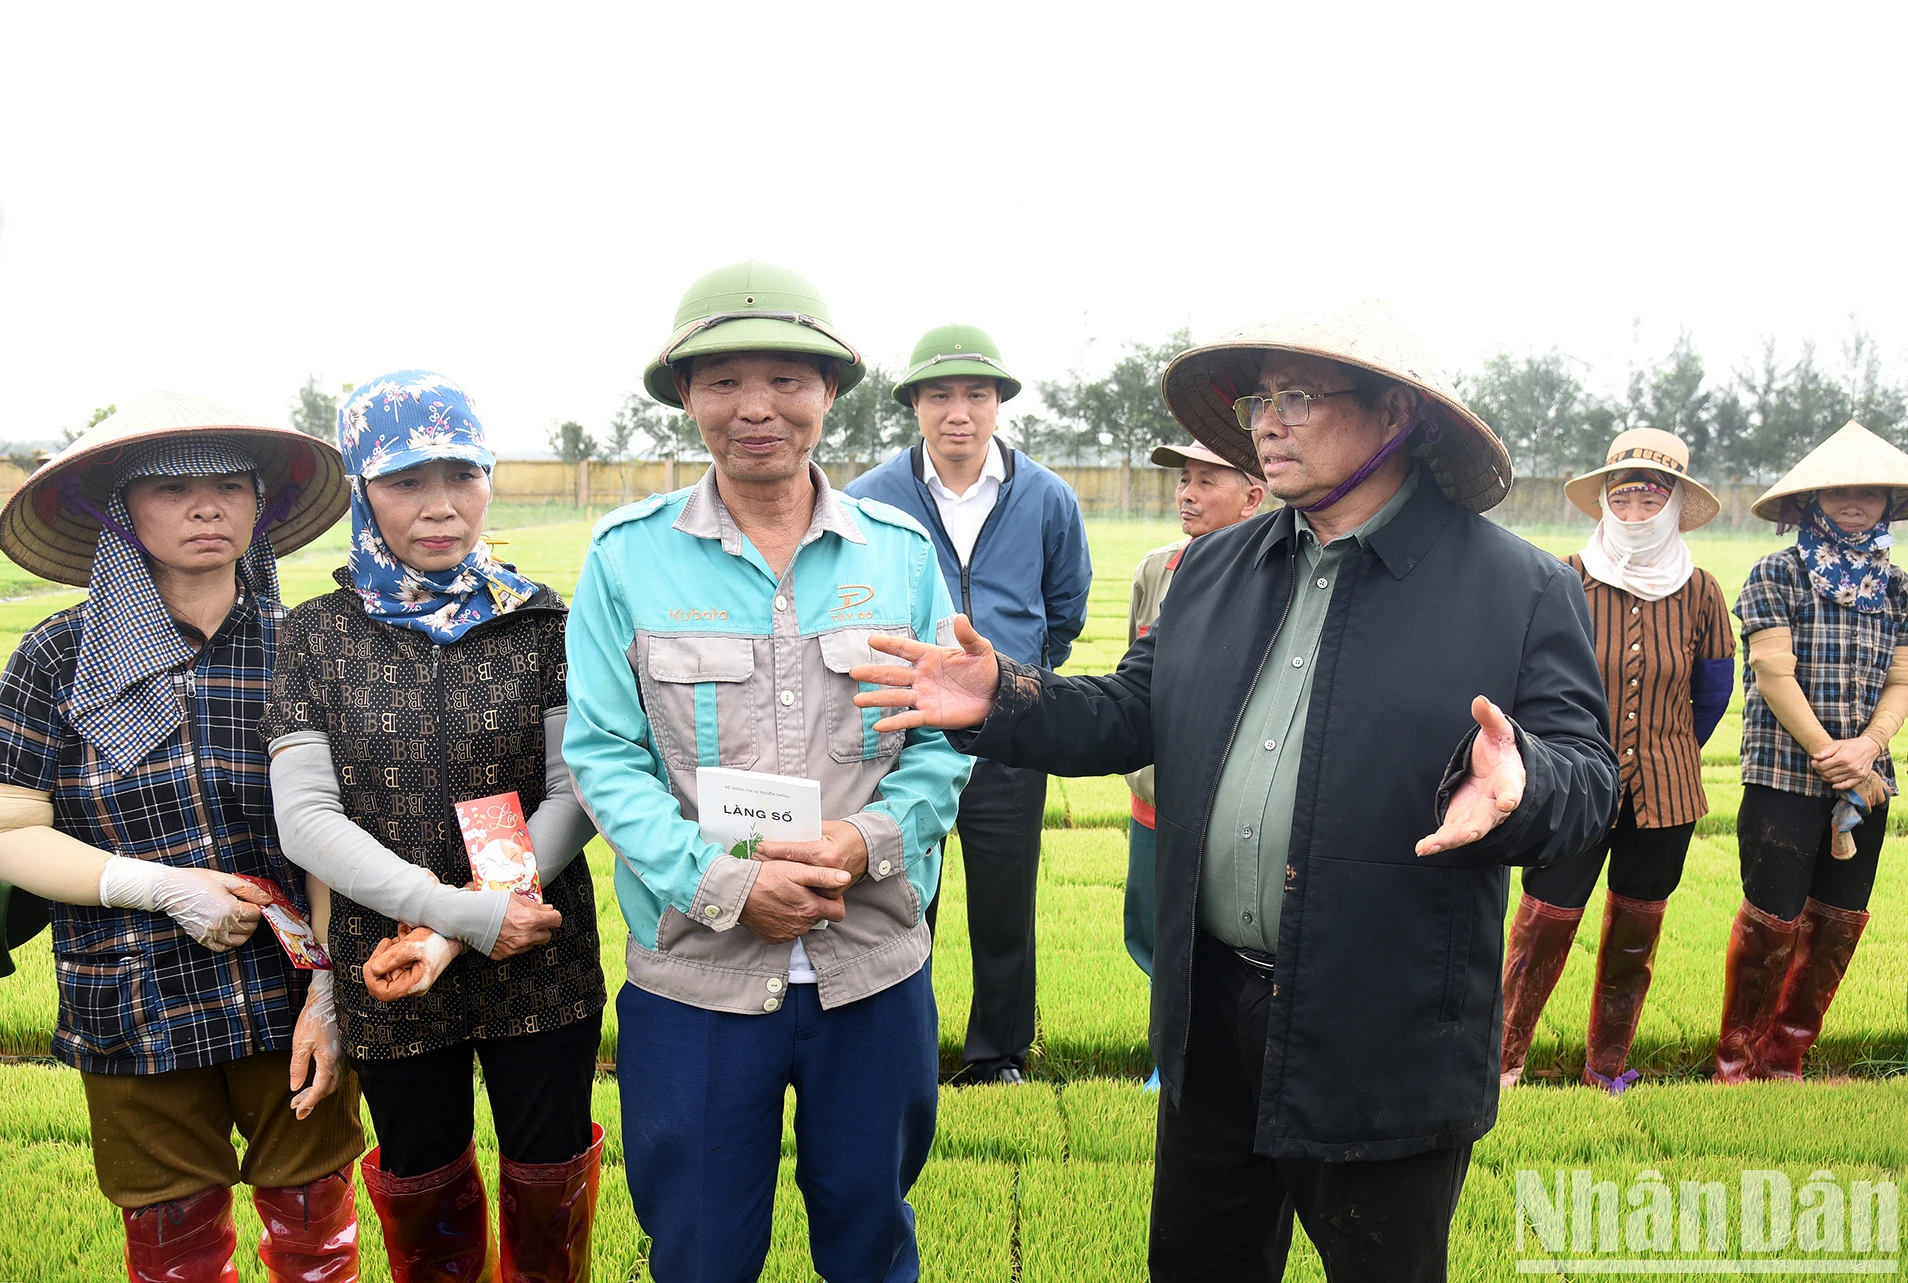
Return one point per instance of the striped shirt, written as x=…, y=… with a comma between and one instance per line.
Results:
x=1841, y=656
x=137, y=994
x=1646, y=651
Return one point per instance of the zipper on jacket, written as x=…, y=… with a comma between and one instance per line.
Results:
x=1212, y=796
x=202, y=794
x=967, y=567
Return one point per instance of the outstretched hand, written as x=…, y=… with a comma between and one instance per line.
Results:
x=1492, y=790
x=950, y=688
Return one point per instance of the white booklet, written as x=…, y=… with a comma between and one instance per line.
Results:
x=738, y=809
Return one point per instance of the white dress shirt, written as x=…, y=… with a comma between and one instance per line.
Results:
x=964, y=514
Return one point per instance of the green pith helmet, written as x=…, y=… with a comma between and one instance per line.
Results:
x=955, y=351
x=750, y=307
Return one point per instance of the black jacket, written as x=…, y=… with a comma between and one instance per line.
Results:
x=1385, y=1018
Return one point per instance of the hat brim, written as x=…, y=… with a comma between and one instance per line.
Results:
x=1585, y=492
x=1471, y=465
x=956, y=369
x=751, y=334
x=1172, y=456
x=58, y=543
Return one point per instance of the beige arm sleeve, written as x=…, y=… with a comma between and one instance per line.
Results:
x=1772, y=656
x=37, y=857
x=1892, y=707
x=320, y=896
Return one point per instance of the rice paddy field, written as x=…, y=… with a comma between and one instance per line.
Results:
x=1051, y=1180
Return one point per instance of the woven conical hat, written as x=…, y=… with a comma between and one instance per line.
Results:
x=1471, y=465
x=1854, y=456
x=56, y=542
x=1657, y=450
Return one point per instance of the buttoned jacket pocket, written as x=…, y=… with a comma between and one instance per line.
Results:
x=851, y=733
x=697, y=692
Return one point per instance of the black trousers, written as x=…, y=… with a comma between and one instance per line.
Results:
x=1224, y=1213
x=539, y=1088
x=999, y=824
x=1783, y=841
x=1645, y=864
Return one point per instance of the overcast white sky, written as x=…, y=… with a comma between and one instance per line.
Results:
x=223, y=199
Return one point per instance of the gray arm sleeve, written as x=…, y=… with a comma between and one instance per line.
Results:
x=321, y=840
x=559, y=827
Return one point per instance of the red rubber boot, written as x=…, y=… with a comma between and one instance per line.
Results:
x=436, y=1226
x=544, y=1213
x=189, y=1240
x=1630, y=931
x=311, y=1231
x=1534, y=957
x=1760, y=946
x=1825, y=943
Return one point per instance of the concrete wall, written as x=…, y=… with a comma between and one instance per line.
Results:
x=1104, y=491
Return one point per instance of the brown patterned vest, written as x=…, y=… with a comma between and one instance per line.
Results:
x=416, y=727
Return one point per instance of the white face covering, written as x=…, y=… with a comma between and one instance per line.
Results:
x=1647, y=558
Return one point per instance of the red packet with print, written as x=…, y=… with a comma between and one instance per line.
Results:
x=499, y=844
x=291, y=927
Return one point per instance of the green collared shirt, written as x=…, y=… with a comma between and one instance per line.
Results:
x=1242, y=879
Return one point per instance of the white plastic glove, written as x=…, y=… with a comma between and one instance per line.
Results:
x=218, y=910
x=316, y=1046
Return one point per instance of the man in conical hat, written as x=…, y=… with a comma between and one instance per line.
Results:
x=1363, y=709
x=134, y=796
x=1826, y=624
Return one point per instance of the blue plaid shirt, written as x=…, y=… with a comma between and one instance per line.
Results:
x=1841, y=656
x=137, y=994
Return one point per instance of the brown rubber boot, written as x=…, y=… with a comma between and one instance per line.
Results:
x=1760, y=946
x=1825, y=943
x=436, y=1226
x=544, y=1214
x=188, y=1240
x=1630, y=931
x=1534, y=957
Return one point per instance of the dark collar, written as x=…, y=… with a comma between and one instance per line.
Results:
x=1401, y=542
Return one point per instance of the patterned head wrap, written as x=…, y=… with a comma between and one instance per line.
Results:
x=397, y=422
x=1850, y=570
x=1643, y=480
x=123, y=701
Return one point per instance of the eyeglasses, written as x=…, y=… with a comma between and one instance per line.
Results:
x=1292, y=406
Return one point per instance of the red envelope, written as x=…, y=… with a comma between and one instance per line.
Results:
x=291, y=928
x=499, y=844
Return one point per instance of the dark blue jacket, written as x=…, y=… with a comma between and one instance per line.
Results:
x=1025, y=589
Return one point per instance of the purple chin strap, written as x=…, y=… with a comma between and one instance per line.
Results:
x=1424, y=417
x=68, y=488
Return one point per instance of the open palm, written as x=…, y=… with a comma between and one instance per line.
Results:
x=1493, y=789
x=946, y=687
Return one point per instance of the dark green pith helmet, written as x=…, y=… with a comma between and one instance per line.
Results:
x=955, y=351
x=750, y=307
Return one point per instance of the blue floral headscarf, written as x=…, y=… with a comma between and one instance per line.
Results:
x=1850, y=570
x=396, y=422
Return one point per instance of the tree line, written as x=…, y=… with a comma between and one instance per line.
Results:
x=1747, y=423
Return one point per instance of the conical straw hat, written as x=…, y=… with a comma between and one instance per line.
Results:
x=1471, y=465
x=1854, y=456
x=56, y=541
x=1658, y=451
